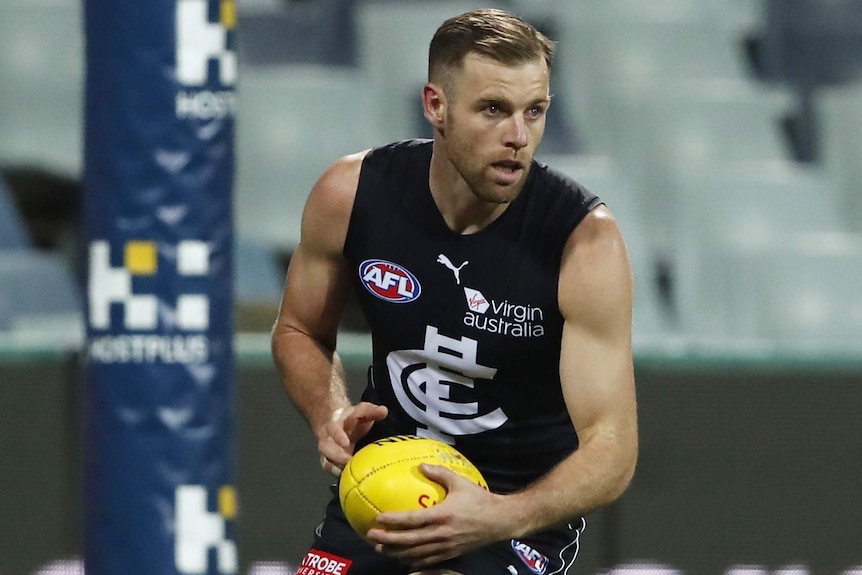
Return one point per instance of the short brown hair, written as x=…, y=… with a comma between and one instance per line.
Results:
x=490, y=32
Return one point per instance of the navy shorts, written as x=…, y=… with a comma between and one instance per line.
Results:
x=339, y=550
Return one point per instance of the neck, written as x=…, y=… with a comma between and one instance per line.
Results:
x=461, y=209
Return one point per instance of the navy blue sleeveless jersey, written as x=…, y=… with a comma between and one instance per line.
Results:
x=466, y=328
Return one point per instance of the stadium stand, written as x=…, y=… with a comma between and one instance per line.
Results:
x=807, y=291
x=672, y=129
x=611, y=51
x=807, y=44
x=294, y=121
x=278, y=32
x=42, y=67
x=731, y=215
x=258, y=282
x=744, y=237
x=652, y=100
x=605, y=177
x=396, y=79
x=39, y=297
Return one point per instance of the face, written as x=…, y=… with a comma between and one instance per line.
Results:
x=490, y=123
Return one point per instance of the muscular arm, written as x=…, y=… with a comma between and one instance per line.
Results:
x=596, y=371
x=597, y=377
x=315, y=295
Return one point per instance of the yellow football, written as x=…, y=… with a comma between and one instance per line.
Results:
x=385, y=476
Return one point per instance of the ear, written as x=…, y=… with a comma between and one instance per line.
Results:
x=434, y=105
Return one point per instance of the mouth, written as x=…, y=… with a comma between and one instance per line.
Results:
x=510, y=166
x=508, y=171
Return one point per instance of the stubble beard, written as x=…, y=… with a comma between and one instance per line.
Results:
x=479, y=177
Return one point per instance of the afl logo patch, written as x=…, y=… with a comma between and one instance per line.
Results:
x=389, y=281
x=532, y=558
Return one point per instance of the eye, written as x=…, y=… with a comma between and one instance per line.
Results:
x=492, y=109
x=536, y=112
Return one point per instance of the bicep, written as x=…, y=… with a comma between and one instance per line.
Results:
x=317, y=284
x=315, y=294
x=596, y=367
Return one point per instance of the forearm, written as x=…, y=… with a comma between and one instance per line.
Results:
x=593, y=476
x=312, y=375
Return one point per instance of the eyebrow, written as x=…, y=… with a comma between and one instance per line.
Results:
x=497, y=101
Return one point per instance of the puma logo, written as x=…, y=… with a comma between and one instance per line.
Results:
x=441, y=259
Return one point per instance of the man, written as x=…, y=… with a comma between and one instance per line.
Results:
x=498, y=294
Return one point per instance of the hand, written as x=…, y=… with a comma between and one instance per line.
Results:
x=337, y=439
x=463, y=521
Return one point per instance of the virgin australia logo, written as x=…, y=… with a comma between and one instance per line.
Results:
x=502, y=317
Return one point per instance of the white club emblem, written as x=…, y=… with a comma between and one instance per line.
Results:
x=430, y=386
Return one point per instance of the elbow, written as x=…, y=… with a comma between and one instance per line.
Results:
x=287, y=340
x=280, y=339
x=622, y=457
x=628, y=474
x=276, y=338
x=628, y=460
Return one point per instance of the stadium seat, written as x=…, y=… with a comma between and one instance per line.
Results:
x=807, y=292
x=839, y=110
x=605, y=178
x=259, y=278
x=279, y=32
x=293, y=122
x=13, y=234
x=812, y=42
x=726, y=213
x=42, y=70
x=39, y=295
x=803, y=292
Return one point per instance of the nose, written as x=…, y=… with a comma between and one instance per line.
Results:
x=516, y=133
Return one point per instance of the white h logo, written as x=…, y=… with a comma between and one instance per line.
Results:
x=198, y=41
x=198, y=530
x=114, y=285
x=109, y=285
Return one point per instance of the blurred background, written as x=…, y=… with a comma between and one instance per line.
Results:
x=726, y=136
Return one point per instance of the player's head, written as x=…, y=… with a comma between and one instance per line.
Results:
x=487, y=98
x=492, y=33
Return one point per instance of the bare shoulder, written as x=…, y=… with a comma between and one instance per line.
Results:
x=335, y=190
x=597, y=240
x=595, y=269
x=330, y=202
x=598, y=230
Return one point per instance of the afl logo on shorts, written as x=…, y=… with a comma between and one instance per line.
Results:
x=532, y=558
x=389, y=281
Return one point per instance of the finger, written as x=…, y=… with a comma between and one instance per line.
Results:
x=330, y=467
x=397, y=521
x=332, y=449
x=370, y=411
x=362, y=419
